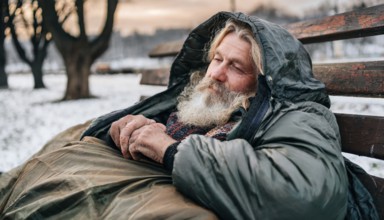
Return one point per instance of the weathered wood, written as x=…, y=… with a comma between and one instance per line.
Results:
x=358, y=23
x=158, y=77
x=170, y=48
x=354, y=79
x=103, y=68
x=362, y=134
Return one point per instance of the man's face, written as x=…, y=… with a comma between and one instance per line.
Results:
x=209, y=103
x=232, y=65
x=230, y=79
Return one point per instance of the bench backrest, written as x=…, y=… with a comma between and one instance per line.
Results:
x=362, y=135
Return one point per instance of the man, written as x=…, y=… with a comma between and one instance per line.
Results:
x=229, y=81
x=247, y=136
x=280, y=155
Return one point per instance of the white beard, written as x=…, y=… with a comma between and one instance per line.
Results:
x=203, y=107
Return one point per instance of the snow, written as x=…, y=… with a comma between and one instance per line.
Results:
x=29, y=118
x=140, y=63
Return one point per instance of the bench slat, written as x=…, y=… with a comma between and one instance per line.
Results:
x=354, y=79
x=358, y=23
x=165, y=49
x=156, y=77
x=362, y=134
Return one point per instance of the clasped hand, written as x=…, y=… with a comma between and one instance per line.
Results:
x=136, y=135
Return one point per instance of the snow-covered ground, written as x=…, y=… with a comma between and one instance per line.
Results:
x=29, y=118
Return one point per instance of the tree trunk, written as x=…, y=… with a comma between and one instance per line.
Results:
x=37, y=64
x=3, y=74
x=78, y=52
x=37, y=72
x=78, y=71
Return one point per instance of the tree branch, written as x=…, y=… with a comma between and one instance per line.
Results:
x=51, y=19
x=19, y=48
x=11, y=15
x=100, y=44
x=66, y=16
x=80, y=15
x=43, y=50
x=15, y=40
x=35, y=38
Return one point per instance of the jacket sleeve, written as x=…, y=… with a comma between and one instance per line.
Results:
x=295, y=171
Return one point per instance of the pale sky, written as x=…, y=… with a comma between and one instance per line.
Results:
x=145, y=16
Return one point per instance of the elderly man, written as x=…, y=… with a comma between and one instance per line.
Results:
x=243, y=132
x=204, y=108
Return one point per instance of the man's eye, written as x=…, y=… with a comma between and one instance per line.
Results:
x=217, y=58
x=238, y=69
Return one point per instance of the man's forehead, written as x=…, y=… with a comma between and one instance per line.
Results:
x=234, y=48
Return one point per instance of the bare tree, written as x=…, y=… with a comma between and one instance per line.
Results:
x=34, y=28
x=78, y=52
x=3, y=22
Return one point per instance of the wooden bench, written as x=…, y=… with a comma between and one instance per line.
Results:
x=360, y=134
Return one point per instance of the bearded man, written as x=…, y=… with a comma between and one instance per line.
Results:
x=242, y=132
x=251, y=136
x=206, y=105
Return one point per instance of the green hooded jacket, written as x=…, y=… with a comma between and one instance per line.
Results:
x=282, y=160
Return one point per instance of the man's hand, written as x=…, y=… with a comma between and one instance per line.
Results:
x=150, y=141
x=122, y=129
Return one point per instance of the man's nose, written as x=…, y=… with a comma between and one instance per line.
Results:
x=219, y=73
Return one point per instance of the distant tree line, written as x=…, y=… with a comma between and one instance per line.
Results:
x=139, y=44
x=42, y=21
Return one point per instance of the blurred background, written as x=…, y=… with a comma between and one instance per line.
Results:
x=67, y=61
x=139, y=25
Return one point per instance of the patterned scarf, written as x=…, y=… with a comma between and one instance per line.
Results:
x=180, y=131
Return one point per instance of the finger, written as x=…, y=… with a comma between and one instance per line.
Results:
x=132, y=140
x=130, y=127
x=114, y=132
x=135, y=135
x=125, y=152
x=116, y=128
x=161, y=126
x=134, y=152
x=136, y=142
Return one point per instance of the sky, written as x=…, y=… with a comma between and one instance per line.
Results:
x=145, y=16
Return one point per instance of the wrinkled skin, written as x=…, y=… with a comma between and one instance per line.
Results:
x=136, y=135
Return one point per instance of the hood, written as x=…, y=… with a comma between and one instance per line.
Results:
x=287, y=66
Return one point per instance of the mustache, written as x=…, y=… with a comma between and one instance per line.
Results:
x=206, y=83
